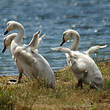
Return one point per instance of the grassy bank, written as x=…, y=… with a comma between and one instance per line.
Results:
x=33, y=95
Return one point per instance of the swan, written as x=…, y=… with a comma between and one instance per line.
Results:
x=68, y=34
x=28, y=61
x=32, y=46
x=81, y=64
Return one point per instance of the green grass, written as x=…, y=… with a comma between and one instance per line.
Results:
x=33, y=95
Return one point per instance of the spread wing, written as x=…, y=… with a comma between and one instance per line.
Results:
x=94, y=48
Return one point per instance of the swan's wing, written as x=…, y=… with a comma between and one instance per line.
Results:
x=45, y=70
x=40, y=59
x=34, y=42
x=39, y=40
x=82, y=66
x=94, y=48
x=35, y=64
x=65, y=50
x=23, y=55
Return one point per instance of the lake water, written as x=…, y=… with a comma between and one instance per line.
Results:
x=91, y=18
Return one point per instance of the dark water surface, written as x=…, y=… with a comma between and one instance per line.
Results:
x=91, y=18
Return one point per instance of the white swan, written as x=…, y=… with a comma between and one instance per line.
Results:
x=68, y=34
x=32, y=46
x=31, y=63
x=82, y=64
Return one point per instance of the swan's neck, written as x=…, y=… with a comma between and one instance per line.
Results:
x=76, y=41
x=9, y=48
x=20, y=34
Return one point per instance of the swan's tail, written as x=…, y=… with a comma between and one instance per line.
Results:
x=65, y=50
x=94, y=48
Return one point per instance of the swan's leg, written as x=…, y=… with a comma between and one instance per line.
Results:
x=20, y=71
x=52, y=86
x=19, y=77
x=80, y=83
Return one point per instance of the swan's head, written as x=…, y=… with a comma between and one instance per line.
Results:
x=8, y=40
x=12, y=25
x=67, y=35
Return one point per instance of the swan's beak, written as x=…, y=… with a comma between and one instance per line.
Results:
x=62, y=43
x=6, y=32
x=4, y=49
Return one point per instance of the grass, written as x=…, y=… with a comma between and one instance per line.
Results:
x=33, y=95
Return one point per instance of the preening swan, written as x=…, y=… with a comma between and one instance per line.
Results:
x=82, y=65
x=28, y=61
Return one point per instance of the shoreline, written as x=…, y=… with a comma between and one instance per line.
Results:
x=63, y=68
x=101, y=64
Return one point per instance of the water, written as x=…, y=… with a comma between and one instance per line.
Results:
x=91, y=18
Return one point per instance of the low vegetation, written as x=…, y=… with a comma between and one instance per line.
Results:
x=33, y=95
